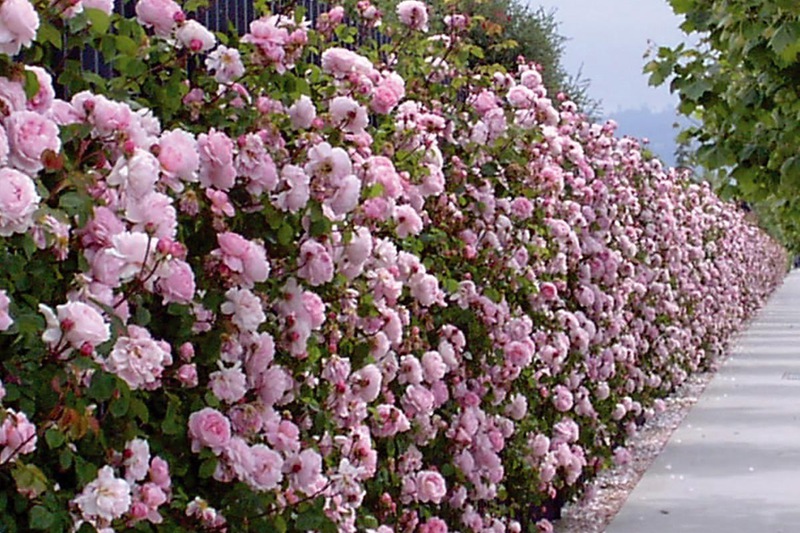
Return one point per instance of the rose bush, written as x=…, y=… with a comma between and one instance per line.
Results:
x=277, y=283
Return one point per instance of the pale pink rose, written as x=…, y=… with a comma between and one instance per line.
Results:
x=107, y=116
x=5, y=318
x=159, y=473
x=139, y=359
x=273, y=385
x=413, y=14
x=517, y=408
x=228, y=384
x=341, y=62
x=29, y=136
x=216, y=160
x=177, y=153
x=520, y=96
x=434, y=525
x=267, y=465
x=431, y=486
x=17, y=436
x=246, y=308
x=162, y=15
x=433, y=367
x=254, y=162
x=210, y=429
x=76, y=324
x=562, y=398
x=548, y=291
x=195, y=36
x=389, y=421
x=305, y=472
x=425, y=289
x=136, y=175
x=12, y=95
x=418, y=400
x=328, y=163
x=348, y=115
x=314, y=263
x=137, y=252
x=408, y=221
x=270, y=39
x=43, y=99
x=187, y=375
x=388, y=93
x=106, y=498
x=302, y=113
x=136, y=460
x=519, y=353
x=366, y=383
x=296, y=196
x=18, y=24
x=153, y=214
x=346, y=197
x=177, y=284
x=246, y=258
x=226, y=64
x=18, y=202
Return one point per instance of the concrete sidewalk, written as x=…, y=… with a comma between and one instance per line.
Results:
x=733, y=465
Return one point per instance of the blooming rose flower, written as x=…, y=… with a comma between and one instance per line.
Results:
x=430, y=486
x=177, y=283
x=247, y=258
x=314, y=262
x=267, y=465
x=413, y=14
x=246, y=308
x=226, y=64
x=76, y=323
x=305, y=472
x=5, y=318
x=296, y=196
x=43, y=99
x=17, y=436
x=29, y=135
x=348, y=115
x=388, y=93
x=137, y=460
x=210, y=429
x=106, y=498
x=18, y=202
x=302, y=113
x=216, y=160
x=160, y=14
x=18, y=24
x=139, y=359
x=340, y=62
x=177, y=153
x=106, y=6
x=228, y=384
x=408, y=221
x=195, y=36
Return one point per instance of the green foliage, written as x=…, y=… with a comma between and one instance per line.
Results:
x=741, y=81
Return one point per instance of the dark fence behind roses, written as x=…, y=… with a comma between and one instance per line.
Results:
x=217, y=17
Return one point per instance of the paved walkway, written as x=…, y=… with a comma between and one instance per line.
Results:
x=733, y=465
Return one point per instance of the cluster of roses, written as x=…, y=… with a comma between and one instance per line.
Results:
x=447, y=315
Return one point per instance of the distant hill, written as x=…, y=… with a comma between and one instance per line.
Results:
x=657, y=126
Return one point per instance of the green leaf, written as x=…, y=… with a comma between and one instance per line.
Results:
x=29, y=478
x=100, y=21
x=41, y=518
x=31, y=84
x=103, y=386
x=173, y=423
x=54, y=438
x=285, y=234
x=49, y=34
x=208, y=467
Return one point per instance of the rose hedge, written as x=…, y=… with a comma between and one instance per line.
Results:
x=273, y=283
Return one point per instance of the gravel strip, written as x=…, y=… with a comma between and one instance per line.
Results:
x=605, y=495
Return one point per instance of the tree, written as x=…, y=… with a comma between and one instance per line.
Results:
x=741, y=81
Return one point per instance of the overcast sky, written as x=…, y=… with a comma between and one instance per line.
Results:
x=607, y=39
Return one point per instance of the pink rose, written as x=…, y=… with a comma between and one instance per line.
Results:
x=408, y=221
x=413, y=14
x=18, y=202
x=139, y=359
x=187, y=375
x=305, y=472
x=433, y=525
x=160, y=14
x=431, y=486
x=348, y=115
x=267, y=464
x=216, y=160
x=177, y=153
x=17, y=436
x=44, y=97
x=18, y=24
x=302, y=113
x=106, y=6
x=210, y=429
x=177, y=285
x=315, y=264
x=5, y=318
x=29, y=136
x=228, y=384
x=195, y=36
x=76, y=323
